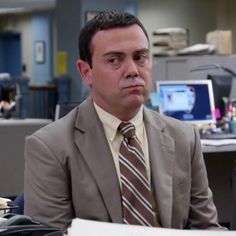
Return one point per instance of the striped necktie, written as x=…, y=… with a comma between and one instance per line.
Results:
x=136, y=193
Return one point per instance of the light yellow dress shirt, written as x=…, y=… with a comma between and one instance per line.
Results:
x=110, y=124
x=114, y=138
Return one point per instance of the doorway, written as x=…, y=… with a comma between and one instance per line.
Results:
x=10, y=54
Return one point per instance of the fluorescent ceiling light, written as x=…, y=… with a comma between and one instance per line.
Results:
x=12, y=10
x=15, y=6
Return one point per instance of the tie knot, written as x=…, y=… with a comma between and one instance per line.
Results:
x=127, y=129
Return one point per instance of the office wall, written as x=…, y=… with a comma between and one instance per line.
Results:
x=67, y=25
x=198, y=16
x=42, y=31
x=24, y=26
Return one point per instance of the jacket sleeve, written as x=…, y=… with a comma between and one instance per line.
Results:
x=46, y=185
x=203, y=213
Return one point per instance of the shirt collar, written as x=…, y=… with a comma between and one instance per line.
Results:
x=111, y=123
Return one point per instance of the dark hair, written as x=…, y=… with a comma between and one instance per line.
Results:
x=102, y=21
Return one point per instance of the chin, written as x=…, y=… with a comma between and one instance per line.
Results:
x=135, y=103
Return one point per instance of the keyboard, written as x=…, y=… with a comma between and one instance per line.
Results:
x=218, y=136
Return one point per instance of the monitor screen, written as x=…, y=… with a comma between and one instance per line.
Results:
x=187, y=100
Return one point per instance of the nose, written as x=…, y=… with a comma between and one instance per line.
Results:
x=131, y=69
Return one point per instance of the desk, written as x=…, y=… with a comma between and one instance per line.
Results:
x=220, y=162
x=219, y=149
x=12, y=141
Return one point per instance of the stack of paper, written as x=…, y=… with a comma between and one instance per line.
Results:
x=220, y=142
x=169, y=40
x=94, y=228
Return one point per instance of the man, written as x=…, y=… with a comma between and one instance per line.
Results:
x=73, y=166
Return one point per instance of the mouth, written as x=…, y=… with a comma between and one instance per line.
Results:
x=134, y=89
x=132, y=86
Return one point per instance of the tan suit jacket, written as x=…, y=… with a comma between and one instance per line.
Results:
x=69, y=172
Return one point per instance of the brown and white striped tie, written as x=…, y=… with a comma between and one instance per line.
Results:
x=136, y=193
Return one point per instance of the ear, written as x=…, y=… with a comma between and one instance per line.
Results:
x=85, y=71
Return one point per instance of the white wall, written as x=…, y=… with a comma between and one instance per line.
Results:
x=198, y=16
x=25, y=27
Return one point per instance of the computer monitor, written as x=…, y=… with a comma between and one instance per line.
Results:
x=221, y=88
x=187, y=100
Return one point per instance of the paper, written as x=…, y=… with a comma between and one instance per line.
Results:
x=62, y=62
x=220, y=142
x=95, y=228
x=4, y=202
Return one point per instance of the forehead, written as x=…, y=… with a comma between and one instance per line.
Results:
x=121, y=38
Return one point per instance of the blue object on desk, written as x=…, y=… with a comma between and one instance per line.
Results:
x=19, y=202
x=154, y=99
x=232, y=127
x=153, y=102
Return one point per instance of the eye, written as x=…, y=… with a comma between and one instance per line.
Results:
x=141, y=58
x=114, y=61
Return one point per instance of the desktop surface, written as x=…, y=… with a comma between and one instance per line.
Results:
x=218, y=136
x=28, y=121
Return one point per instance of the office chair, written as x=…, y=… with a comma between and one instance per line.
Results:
x=63, y=108
x=22, y=225
x=233, y=215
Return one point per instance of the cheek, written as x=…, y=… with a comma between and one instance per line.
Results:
x=104, y=83
x=147, y=76
x=149, y=83
x=107, y=79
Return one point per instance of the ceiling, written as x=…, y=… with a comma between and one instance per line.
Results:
x=14, y=6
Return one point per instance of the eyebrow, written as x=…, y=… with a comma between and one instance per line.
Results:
x=118, y=53
x=146, y=50
x=112, y=53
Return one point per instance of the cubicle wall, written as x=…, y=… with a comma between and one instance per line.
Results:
x=220, y=167
x=42, y=101
x=12, y=141
x=44, y=97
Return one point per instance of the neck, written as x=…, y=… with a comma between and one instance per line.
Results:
x=125, y=114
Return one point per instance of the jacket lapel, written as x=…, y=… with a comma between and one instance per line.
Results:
x=91, y=141
x=161, y=154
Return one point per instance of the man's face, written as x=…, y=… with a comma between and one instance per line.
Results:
x=121, y=73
